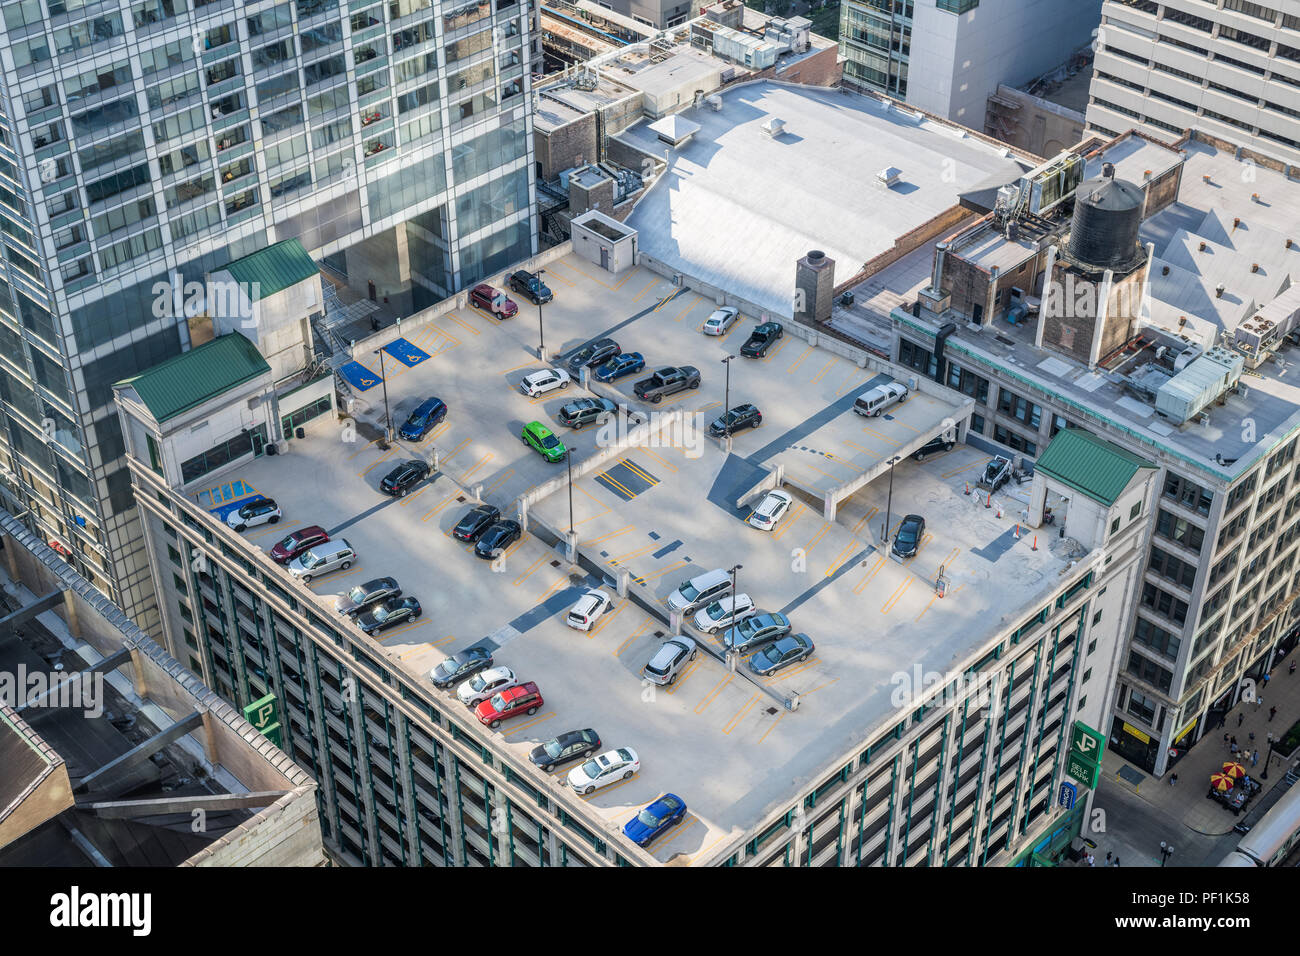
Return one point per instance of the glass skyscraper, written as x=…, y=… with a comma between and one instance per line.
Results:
x=150, y=141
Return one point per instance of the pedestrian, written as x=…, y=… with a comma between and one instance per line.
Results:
x=1291, y=669
x=1108, y=856
x=1116, y=863
x=1234, y=748
x=1272, y=712
x=1258, y=702
x=1252, y=736
x=1223, y=718
x=1092, y=860
x=1254, y=757
x=1266, y=679
x=1240, y=717
x=1173, y=779
x=1225, y=740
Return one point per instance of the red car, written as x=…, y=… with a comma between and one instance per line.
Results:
x=523, y=699
x=298, y=542
x=493, y=302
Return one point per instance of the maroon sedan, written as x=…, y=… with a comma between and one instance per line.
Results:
x=493, y=301
x=298, y=542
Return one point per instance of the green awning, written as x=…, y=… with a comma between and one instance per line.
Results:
x=1090, y=465
x=189, y=379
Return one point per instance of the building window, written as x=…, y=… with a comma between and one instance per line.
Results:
x=1014, y=440
x=1019, y=408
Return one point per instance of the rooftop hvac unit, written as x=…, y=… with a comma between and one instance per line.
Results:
x=715, y=102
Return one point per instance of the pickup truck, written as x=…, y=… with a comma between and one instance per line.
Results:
x=667, y=381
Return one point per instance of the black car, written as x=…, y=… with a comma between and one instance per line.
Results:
x=531, y=287
x=581, y=411
x=592, y=354
x=364, y=595
x=566, y=748
x=389, y=613
x=761, y=339
x=476, y=521
x=933, y=446
x=404, y=477
x=460, y=667
x=497, y=538
x=909, y=536
x=742, y=416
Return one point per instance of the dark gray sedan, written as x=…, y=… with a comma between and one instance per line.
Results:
x=364, y=595
x=593, y=354
x=756, y=631
x=461, y=666
x=782, y=653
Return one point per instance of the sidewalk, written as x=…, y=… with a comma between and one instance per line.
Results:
x=1185, y=801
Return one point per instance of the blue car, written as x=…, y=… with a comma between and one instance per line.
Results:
x=665, y=812
x=424, y=419
x=620, y=365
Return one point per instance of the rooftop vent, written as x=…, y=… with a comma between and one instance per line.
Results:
x=1108, y=170
x=1218, y=291
x=889, y=176
x=774, y=127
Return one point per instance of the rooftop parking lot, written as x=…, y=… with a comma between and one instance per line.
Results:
x=666, y=512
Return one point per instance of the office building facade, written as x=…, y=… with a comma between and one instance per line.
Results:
x=1228, y=68
x=146, y=144
x=948, y=56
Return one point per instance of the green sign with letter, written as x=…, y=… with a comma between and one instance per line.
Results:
x=1086, y=748
x=264, y=715
x=1081, y=770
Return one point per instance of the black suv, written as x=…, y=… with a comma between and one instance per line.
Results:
x=531, y=287
x=933, y=446
x=498, y=537
x=475, y=522
x=761, y=339
x=582, y=411
x=742, y=416
x=908, y=539
x=404, y=477
x=592, y=354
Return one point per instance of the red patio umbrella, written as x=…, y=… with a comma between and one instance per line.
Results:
x=1234, y=770
x=1221, y=782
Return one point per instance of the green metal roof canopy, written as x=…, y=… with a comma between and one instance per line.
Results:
x=274, y=268
x=188, y=380
x=1090, y=465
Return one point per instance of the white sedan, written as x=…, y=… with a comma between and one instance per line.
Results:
x=484, y=684
x=583, y=615
x=721, y=320
x=724, y=613
x=609, y=767
x=547, y=380
x=770, y=510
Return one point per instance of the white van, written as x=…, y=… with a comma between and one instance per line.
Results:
x=336, y=555
x=700, y=590
x=874, y=401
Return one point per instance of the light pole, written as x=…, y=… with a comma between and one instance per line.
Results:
x=889, y=506
x=1166, y=851
x=541, y=334
x=726, y=399
x=738, y=567
x=388, y=417
x=1264, y=775
x=568, y=463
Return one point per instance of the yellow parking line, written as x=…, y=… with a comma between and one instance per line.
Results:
x=413, y=650
x=797, y=361
x=825, y=368
x=663, y=461
x=530, y=569
x=443, y=641
x=793, y=670
x=676, y=831
x=645, y=626
x=740, y=320
x=555, y=586
x=447, y=457
x=703, y=408
x=688, y=308
x=863, y=448
x=406, y=500
x=816, y=538
x=977, y=463
x=790, y=519
x=477, y=465
x=569, y=282
x=624, y=558
x=605, y=619
x=583, y=272
x=362, y=448
x=771, y=353
x=779, y=718
x=382, y=458
x=841, y=558
x=331, y=578
x=681, y=678
x=611, y=534
x=614, y=481
x=262, y=532
x=731, y=725
x=438, y=507
x=403, y=628
x=819, y=687
x=499, y=482
x=870, y=573
x=449, y=335
x=607, y=789
x=464, y=325
x=659, y=574
x=703, y=705
x=627, y=275
x=646, y=288
x=519, y=728
x=927, y=607
x=516, y=368
x=638, y=470
x=885, y=438
x=896, y=596
x=865, y=518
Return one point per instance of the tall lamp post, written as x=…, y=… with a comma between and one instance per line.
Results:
x=568, y=462
x=541, y=334
x=738, y=567
x=726, y=399
x=889, y=506
x=1264, y=775
x=388, y=416
x=1166, y=851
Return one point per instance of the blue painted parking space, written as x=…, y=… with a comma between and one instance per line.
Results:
x=230, y=506
x=359, y=377
x=405, y=352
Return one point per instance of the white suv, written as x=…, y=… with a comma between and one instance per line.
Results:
x=724, y=613
x=584, y=615
x=547, y=380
